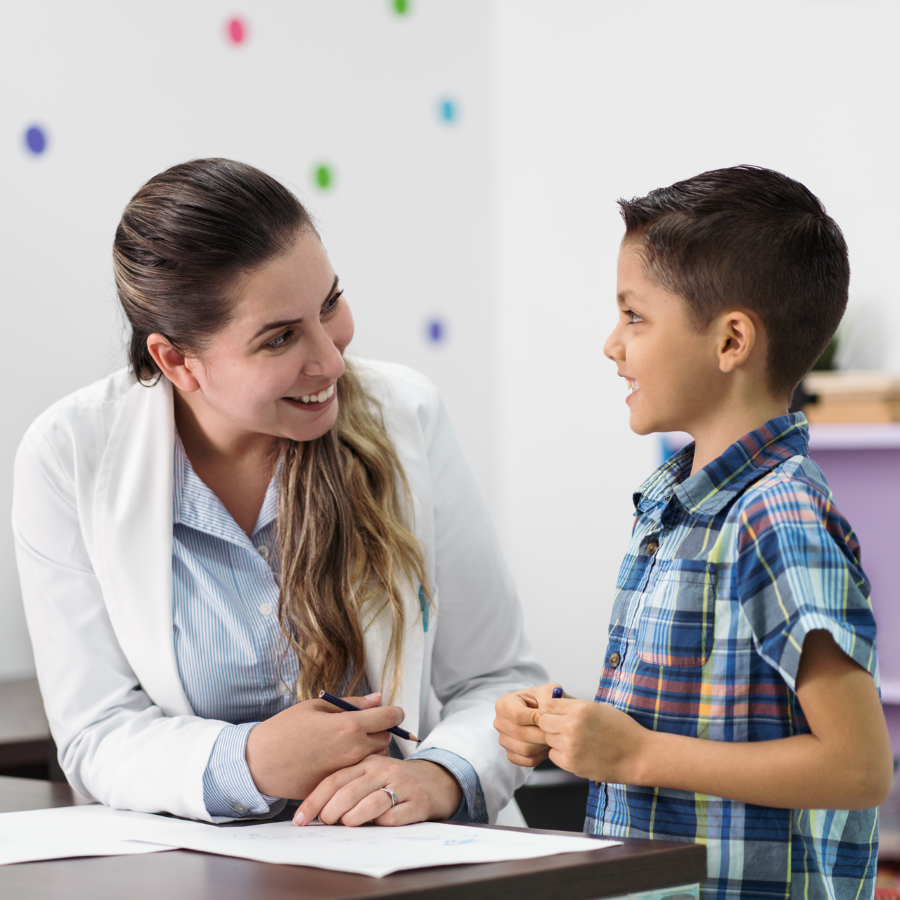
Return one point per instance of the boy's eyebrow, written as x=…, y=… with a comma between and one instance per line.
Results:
x=269, y=326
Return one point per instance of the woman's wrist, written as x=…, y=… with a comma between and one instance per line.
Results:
x=445, y=792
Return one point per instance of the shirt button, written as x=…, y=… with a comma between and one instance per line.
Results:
x=479, y=801
x=283, y=689
x=652, y=547
x=263, y=551
x=265, y=609
x=240, y=809
x=614, y=660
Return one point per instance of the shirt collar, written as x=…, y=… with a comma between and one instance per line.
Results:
x=717, y=484
x=195, y=505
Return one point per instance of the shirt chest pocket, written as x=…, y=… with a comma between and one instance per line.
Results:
x=677, y=616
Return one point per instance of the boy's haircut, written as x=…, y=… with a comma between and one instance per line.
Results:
x=754, y=239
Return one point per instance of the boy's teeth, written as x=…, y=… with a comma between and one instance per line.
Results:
x=632, y=384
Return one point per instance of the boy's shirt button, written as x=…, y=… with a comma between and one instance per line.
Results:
x=614, y=660
x=652, y=547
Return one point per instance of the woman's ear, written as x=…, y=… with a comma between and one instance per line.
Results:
x=172, y=363
x=736, y=338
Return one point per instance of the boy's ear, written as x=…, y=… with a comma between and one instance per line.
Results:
x=735, y=339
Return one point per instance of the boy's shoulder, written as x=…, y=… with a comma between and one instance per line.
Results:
x=790, y=511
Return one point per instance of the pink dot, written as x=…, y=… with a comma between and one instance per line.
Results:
x=237, y=31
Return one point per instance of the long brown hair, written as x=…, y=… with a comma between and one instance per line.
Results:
x=344, y=507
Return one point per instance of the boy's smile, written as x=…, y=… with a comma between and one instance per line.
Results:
x=670, y=369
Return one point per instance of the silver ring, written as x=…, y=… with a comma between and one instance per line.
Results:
x=393, y=796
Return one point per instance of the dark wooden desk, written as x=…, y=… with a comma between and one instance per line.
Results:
x=24, y=735
x=635, y=866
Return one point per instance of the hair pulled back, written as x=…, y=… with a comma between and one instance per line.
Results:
x=345, y=549
x=183, y=239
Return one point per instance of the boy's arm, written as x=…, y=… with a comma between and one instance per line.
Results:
x=845, y=763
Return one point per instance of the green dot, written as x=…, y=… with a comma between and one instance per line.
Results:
x=323, y=177
x=401, y=7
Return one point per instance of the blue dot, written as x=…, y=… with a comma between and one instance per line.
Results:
x=447, y=110
x=35, y=139
x=436, y=331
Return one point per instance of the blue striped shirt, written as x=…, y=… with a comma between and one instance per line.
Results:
x=229, y=646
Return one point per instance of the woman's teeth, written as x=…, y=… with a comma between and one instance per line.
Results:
x=632, y=385
x=321, y=397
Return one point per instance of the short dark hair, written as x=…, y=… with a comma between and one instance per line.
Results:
x=754, y=239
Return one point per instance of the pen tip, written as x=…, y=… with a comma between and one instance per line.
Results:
x=412, y=737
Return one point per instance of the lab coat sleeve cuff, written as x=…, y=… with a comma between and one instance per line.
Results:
x=472, y=808
x=228, y=788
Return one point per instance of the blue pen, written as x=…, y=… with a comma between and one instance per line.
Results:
x=349, y=707
x=557, y=693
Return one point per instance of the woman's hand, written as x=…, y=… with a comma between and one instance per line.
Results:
x=594, y=740
x=517, y=723
x=353, y=796
x=289, y=754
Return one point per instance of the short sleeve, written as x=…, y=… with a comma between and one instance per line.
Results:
x=798, y=570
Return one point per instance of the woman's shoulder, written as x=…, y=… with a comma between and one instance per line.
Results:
x=406, y=396
x=89, y=411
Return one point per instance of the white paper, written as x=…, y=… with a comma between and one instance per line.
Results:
x=64, y=833
x=371, y=850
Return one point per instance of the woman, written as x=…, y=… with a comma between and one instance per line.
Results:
x=244, y=519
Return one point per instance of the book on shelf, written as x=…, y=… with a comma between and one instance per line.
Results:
x=852, y=397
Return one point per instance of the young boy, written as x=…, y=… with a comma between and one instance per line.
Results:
x=738, y=704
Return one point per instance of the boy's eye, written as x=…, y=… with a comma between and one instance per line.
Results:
x=632, y=316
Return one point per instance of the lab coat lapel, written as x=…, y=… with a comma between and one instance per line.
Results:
x=134, y=516
x=378, y=639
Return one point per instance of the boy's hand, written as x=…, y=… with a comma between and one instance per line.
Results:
x=593, y=740
x=516, y=721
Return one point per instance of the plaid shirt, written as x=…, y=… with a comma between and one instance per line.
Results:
x=727, y=572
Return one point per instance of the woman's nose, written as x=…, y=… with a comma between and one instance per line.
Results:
x=324, y=357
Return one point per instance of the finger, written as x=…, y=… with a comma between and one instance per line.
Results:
x=379, y=718
x=368, y=702
x=355, y=793
x=521, y=748
x=551, y=724
x=374, y=806
x=527, y=761
x=312, y=806
x=527, y=733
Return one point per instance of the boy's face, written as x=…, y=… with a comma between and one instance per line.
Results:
x=670, y=368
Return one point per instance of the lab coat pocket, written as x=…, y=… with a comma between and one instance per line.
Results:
x=677, y=618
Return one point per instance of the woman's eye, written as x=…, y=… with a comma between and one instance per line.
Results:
x=332, y=302
x=280, y=341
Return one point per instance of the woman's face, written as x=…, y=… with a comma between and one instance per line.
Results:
x=273, y=369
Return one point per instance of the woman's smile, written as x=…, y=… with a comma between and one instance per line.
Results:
x=314, y=402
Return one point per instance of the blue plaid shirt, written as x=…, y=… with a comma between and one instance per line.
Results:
x=727, y=571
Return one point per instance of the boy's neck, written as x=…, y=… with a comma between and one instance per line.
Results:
x=729, y=423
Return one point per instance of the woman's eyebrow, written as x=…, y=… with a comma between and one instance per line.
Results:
x=270, y=326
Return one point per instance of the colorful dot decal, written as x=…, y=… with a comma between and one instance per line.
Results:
x=401, y=7
x=447, y=110
x=236, y=31
x=323, y=177
x=36, y=140
x=435, y=331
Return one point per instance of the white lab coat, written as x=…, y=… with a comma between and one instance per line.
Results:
x=92, y=519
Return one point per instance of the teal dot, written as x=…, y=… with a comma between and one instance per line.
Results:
x=323, y=177
x=401, y=7
x=448, y=111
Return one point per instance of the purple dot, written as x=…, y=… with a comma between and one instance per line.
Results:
x=436, y=331
x=35, y=139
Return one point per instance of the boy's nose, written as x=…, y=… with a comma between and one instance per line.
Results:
x=613, y=348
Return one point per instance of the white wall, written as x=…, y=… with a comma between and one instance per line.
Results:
x=502, y=223
x=595, y=101
x=126, y=90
